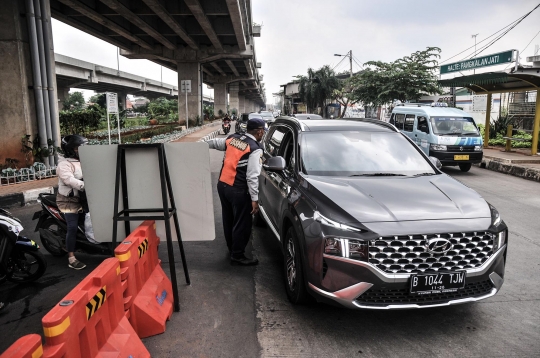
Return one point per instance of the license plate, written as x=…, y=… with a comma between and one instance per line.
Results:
x=461, y=157
x=424, y=284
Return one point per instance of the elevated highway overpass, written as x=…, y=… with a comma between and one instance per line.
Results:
x=205, y=41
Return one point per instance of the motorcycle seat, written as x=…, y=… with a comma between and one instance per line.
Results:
x=49, y=199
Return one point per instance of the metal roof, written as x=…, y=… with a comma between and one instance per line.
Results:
x=524, y=79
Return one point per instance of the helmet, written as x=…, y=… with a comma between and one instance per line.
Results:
x=70, y=142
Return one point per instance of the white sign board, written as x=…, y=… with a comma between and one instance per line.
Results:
x=479, y=103
x=189, y=168
x=185, y=86
x=112, y=103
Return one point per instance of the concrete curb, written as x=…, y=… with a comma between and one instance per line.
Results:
x=23, y=198
x=512, y=169
x=209, y=136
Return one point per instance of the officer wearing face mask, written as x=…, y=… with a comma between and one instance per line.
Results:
x=238, y=186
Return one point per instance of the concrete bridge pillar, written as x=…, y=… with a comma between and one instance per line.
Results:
x=220, y=98
x=18, y=113
x=233, y=97
x=189, y=71
x=241, y=103
x=63, y=94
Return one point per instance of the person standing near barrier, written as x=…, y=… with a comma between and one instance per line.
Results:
x=238, y=186
x=70, y=197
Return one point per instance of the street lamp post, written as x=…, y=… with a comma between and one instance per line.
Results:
x=474, y=36
x=349, y=54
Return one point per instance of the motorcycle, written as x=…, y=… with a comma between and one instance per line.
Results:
x=20, y=259
x=226, y=127
x=52, y=229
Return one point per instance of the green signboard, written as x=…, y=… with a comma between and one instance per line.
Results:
x=485, y=61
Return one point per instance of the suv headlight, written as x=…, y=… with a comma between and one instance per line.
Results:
x=499, y=240
x=349, y=248
x=437, y=147
x=495, y=216
x=477, y=148
x=329, y=222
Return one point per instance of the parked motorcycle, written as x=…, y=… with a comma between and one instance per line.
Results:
x=226, y=126
x=20, y=259
x=52, y=229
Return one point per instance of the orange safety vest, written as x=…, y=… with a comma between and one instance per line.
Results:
x=238, y=149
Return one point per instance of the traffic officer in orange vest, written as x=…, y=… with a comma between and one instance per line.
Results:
x=238, y=186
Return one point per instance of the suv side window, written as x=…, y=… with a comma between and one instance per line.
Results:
x=422, y=125
x=273, y=143
x=399, y=119
x=409, y=123
x=287, y=150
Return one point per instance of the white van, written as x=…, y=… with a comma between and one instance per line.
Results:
x=449, y=134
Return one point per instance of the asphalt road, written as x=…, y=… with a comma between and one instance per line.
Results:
x=231, y=311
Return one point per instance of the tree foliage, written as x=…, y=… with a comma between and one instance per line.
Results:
x=406, y=79
x=163, y=108
x=347, y=94
x=74, y=101
x=317, y=87
x=80, y=121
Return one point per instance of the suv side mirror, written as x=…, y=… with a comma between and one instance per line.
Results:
x=274, y=164
x=436, y=162
x=424, y=128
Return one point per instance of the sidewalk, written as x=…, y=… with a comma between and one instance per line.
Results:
x=21, y=194
x=209, y=132
x=517, y=163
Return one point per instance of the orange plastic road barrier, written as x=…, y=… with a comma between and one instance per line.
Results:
x=25, y=347
x=147, y=290
x=90, y=320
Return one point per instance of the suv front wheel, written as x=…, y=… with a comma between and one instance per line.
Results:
x=294, y=275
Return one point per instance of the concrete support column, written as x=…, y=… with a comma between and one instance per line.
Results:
x=17, y=117
x=220, y=98
x=241, y=103
x=63, y=94
x=190, y=71
x=233, y=97
x=122, y=97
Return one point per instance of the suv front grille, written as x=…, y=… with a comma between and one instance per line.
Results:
x=384, y=297
x=409, y=254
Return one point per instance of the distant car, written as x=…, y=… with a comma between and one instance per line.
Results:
x=303, y=116
x=268, y=117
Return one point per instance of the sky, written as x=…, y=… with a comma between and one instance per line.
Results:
x=301, y=34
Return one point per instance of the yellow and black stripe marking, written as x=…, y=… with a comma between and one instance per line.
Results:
x=96, y=302
x=143, y=247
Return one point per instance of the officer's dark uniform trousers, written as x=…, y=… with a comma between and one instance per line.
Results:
x=234, y=194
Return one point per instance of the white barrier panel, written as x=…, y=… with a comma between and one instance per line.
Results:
x=189, y=168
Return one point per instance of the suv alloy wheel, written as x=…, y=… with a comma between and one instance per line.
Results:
x=294, y=275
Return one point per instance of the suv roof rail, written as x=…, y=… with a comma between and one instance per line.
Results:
x=419, y=104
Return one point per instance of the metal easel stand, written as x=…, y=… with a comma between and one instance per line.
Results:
x=163, y=213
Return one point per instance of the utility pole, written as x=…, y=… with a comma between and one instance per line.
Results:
x=350, y=60
x=349, y=54
x=474, y=36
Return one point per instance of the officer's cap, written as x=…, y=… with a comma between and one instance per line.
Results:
x=256, y=123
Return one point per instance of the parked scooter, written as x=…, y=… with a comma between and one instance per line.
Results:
x=20, y=259
x=52, y=229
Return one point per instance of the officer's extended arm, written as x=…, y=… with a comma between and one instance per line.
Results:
x=252, y=174
x=217, y=143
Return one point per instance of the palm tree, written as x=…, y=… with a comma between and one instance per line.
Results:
x=317, y=87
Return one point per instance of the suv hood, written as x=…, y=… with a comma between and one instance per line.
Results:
x=378, y=199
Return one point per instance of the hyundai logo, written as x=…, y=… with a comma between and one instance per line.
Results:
x=461, y=148
x=438, y=245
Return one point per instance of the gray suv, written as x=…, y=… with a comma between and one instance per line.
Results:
x=366, y=220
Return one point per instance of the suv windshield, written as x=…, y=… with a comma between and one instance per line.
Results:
x=453, y=126
x=355, y=153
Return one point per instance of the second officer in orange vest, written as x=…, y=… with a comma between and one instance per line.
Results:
x=238, y=186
